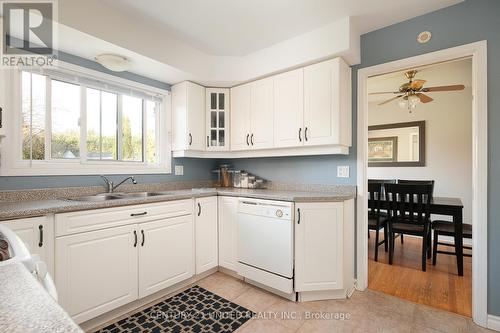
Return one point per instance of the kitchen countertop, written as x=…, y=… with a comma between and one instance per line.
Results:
x=26, y=307
x=29, y=208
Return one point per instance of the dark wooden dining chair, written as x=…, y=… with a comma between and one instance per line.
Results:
x=375, y=220
x=383, y=213
x=447, y=228
x=409, y=213
x=415, y=181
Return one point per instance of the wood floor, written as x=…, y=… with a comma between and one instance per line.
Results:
x=439, y=287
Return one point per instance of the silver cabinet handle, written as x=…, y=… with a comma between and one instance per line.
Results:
x=190, y=139
x=248, y=135
x=251, y=139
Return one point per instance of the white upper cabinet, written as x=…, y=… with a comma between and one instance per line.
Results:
x=188, y=114
x=289, y=109
x=217, y=102
x=252, y=122
x=240, y=117
x=327, y=104
x=262, y=114
x=306, y=111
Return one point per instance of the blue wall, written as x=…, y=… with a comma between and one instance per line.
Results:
x=194, y=169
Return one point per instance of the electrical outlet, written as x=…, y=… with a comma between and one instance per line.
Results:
x=343, y=171
x=179, y=170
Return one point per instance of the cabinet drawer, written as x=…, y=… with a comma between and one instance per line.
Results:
x=82, y=221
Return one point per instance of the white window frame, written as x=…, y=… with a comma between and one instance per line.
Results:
x=12, y=164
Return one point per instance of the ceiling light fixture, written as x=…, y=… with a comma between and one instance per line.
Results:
x=113, y=62
x=409, y=102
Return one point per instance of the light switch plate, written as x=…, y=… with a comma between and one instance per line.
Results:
x=179, y=170
x=343, y=171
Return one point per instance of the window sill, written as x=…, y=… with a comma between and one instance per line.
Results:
x=77, y=168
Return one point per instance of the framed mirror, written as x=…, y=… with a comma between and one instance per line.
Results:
x=397, y=145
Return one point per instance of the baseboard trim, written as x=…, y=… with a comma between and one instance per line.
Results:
x=493, y=322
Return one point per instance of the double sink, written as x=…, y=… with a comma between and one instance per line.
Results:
x=117, y=196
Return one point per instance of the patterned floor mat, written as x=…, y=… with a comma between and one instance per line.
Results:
x=193, y=310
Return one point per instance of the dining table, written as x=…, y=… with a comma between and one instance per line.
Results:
x=447, y=206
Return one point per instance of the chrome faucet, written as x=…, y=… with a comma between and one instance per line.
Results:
x=110, y=187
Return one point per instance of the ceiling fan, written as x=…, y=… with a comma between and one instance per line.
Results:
x=412, y=92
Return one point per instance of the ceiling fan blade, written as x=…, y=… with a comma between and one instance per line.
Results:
x=424, y=98
x=390, y=100
x=384, y=92
x=417, y=84
x=445, y=88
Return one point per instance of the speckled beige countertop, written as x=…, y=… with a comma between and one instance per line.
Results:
x=25, y=307
x=26, y=208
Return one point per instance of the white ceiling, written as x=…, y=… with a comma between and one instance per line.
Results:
x=448, y=73
x=240, y=27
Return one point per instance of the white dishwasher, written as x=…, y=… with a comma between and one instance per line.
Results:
x=265, y=242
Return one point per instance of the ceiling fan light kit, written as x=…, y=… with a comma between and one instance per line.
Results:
x=412, y=92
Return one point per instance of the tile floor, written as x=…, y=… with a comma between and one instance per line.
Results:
x=367, y=311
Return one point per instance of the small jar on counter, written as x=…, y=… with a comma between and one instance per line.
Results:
x=260, y=183
x=237, y=178
x=251, y=181
x=244, y=179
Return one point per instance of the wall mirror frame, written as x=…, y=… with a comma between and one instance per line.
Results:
x=391, y=161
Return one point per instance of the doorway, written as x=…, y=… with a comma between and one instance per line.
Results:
x=477, y=52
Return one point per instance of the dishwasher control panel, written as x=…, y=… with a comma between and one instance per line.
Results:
x=266, y=208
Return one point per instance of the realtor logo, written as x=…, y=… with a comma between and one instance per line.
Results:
x=28, y=33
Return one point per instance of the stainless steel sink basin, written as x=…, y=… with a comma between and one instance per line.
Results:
x=116, y=196
x=98, y=197
x=139, y=194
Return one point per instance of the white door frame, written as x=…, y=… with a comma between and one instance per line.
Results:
x=478, y=53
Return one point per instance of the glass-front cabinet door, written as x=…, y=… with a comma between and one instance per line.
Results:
x=217, y=119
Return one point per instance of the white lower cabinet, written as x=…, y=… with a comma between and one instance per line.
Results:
x=324, y=246
x=166, y=253
x=96, y=271
x=206, y=234
x=109, y=265
x=38, y=234
x=228, y=232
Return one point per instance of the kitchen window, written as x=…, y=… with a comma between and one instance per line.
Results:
x=71, y=123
